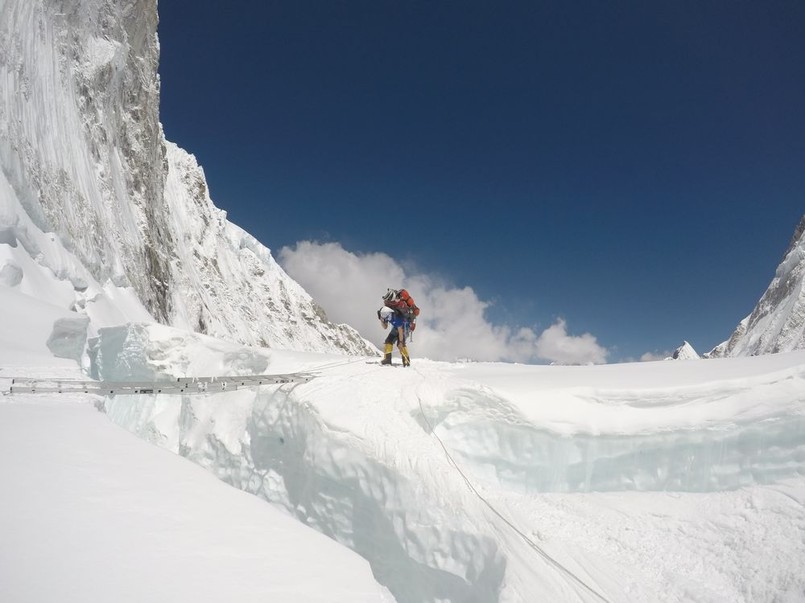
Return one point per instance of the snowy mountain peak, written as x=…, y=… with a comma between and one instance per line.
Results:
x=96, y=206
x=777, y=324
x=685, y=352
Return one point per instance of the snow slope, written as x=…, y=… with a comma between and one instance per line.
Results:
x=89, y=514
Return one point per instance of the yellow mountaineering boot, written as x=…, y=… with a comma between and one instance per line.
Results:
x=387, y=352
x=405, y=357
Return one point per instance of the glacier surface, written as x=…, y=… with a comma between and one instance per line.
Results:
x=493, y=482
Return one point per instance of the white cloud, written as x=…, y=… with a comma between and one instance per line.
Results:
x=555, y=344
x=453, y=324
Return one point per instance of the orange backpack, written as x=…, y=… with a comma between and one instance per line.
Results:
x=403, y=302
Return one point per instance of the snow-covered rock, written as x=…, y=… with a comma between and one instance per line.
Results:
x=685, y=352
x=777, y=324
x=95, y=204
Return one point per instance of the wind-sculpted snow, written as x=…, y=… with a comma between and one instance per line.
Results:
x=150, y=352
x=268, y=443
x=529, y=458
x=465, y=482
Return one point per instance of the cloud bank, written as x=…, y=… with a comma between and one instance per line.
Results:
x=452, y=325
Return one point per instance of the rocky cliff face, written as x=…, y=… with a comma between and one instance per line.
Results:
x=83, y=159
x=227, y=284
x=777, y=324
x=81, y=140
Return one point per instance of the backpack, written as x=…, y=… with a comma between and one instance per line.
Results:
x=402, y=301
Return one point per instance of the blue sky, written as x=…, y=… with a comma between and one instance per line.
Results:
x=633, y=169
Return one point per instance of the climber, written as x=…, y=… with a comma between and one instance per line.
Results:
x=402, y=320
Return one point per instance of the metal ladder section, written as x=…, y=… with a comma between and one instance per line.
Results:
x=182, y=385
